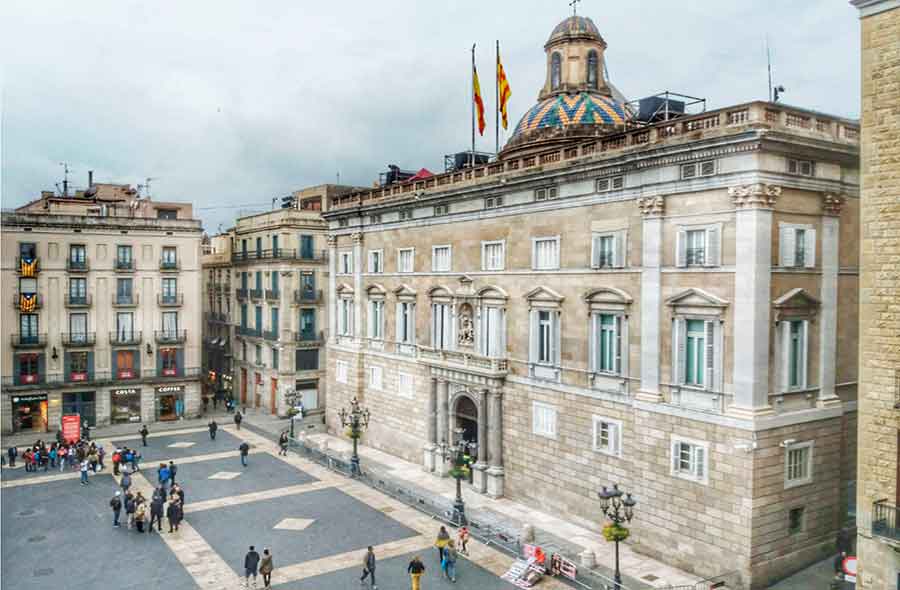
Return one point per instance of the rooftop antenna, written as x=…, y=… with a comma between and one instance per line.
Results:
x=339, y=177
x=775, y=92
x=65, y=190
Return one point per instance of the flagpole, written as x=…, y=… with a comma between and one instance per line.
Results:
x=472, y=100
x=497, y=102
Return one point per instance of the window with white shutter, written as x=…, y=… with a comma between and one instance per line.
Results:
x=341, y=369
x=797, y=246
x=440, y=326
x=376, y=261
x=405, y=385
x=545, y=253
x=699, y=246
x=608, y=250
x=376, y=319
x=543, y=419
x=689, y=459
x=493, y=255
x=607, y=436
x=441, y=258
x=376, y=380
x=406, y=322
x=795, y=352
x=607, y=343
x=345, y=316
x=345, y=263
x=405, y=258
x=798, y=465
x=491, y=332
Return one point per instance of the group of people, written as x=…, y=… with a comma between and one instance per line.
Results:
x=125, y=456
x=167, y=500
x=254, y=563
x=83, y=455
x=448, y=551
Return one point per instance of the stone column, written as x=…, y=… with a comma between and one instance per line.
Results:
x=652, y=210
x=332, y=288
x=443, y=423
x=752, y=297
x=831, y=209
x=357, y=287
x=479, y=480
x=495, y=444
x=428, y=461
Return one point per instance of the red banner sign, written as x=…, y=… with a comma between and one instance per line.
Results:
x=71, y=427
x=79, y=376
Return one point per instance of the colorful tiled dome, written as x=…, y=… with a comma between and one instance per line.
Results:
x=567, y=110
x=575, y=26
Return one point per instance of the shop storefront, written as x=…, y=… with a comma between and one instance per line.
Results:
x=29, y=413
x=125, y=405
x=169, y=402
x=81, y=403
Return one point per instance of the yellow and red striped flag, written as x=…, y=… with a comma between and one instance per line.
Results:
x=479, y=104
x=503, y=91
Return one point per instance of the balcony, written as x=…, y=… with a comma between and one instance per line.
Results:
x=271, y=335
x=80, y=379
x=885, y=522
x=73, y=339
x=452, y=359
x=78, y=300
x=129, y=300
x=122, y=265
x=29, y=340
x=305, y=255
x=241, y=294
x=170, y=336
x=77, y=265
x=28, y=269
x=170, y=299
x=169, y=265
x=26, y=304
x=251, y=332
x=125, y=338
x=25, y=379
x=308, y=338
x=307, y=296
x=273, y=295
x=256, y=293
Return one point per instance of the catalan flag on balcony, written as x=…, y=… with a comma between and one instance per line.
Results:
x=27, y=302
x=503, y=91
x=479, y=104
x=28, y=267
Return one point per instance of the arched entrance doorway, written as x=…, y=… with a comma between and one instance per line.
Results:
x=467, y=418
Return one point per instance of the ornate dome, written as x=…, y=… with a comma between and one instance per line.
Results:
x=570, y=110
x=575, y=27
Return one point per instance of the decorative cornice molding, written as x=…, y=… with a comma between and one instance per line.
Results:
x=331, y=240
x=652, y=206
x=832, y=204
x=357, y=238
x=758, y=195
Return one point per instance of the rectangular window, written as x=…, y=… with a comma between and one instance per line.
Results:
x=376, y=378
x=169, y=290
x=345, y=263
x=343, y=222
x=259, y=359
x=545, y=253
x=307, y=324
x=608, y=250
x=29, y=370
x=608, y=436
x=376, y=319
x=689, y=460
x=375, y=218
x=609, y=184
x=796, y=520
x=376, y=261
x=798, y=464
x=545, y=337
x=545, y=194
x=170, y=324
x=440, y=210
x=28, y=326
x=801, y=167
x=169, y=360
x=27, y=285
x=275, y=362
x=308, y=286
x=440, y=326
x=125, y=326
x=405, y=259
x=492, y=332
x=307, y=247
x=78, y=290
x=123, y=257
x=406, y=214
x=275, y=246
x=341, y=370
x=77, y=255
x=259, y=280
x=797, y=246
x=244, y=281
x=27, y=250
x=345, y=317
x=124, y=293
x=125, y=367
x=695, y=353
x=169, y=256
x=405, y=385
x=275, y=282
x=796, y=354
x=543, y=419
x=493, y=255
x=406, y=321
x=78, y=327
x=696, y=248
x=78, y=364
x=441, y=258
x=259, y=248
x=275, y=320
x=696, y=169
x=608, y=344
x=493, y=202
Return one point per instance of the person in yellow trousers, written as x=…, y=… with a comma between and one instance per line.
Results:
x=416, y=569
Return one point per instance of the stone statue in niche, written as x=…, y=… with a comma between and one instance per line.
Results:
x=466, y=325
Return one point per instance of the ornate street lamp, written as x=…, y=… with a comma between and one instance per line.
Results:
x=455, y=454
x=617, y=510
x=355, y=421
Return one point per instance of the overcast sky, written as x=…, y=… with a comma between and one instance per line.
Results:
x=231, y=103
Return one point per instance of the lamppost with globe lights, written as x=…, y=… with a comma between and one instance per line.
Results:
x=618, y=510
x=355, y=421
x=455, y=454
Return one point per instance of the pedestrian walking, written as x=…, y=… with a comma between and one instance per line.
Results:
x=251, y=563
x=125, y=482
x=130, y=507
x=462, y=539
x=415, y=569
x=172, y=471
x=443, y=537
x=162, y=474
x=144, y=432
x=140, y=515
x=63, y=457
x=116, y=458
x=116, y=504
x=369, y=567
x=85, y=465
x=238, y=418
x=174, y=513
x=843, y=545
x=93, y=459
x=177, y=490
x=283, y=444
x=265, y=568
x=213, y=427
x=245, y=450
x=12, y=453
x=449, y=563
x=156, y=513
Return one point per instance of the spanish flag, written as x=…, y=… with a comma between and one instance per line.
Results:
x=503, y=91
x=28, y=268
x=27, y=302
x=479, y=105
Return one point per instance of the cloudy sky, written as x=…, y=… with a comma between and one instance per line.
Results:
x=231, y=103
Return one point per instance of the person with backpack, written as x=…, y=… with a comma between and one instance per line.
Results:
x=213, y=427
x=265, y=568
x=116, y=505
x=449, y=564
x=125, y=482
x=283, y=444
x=172, y=471
x=156, y=512
x=53, y=454
x=238, y=418
x=163, y=474
x=130, y=507
x=245, y=450
x=174, y=513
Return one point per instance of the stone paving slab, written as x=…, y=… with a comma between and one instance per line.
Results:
x=18, y=473
x=59, y=535
x=160, y=447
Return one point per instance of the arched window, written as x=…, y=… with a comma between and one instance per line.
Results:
x=592, y=69
x=555, y=71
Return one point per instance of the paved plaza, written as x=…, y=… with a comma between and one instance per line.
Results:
x=58, y=534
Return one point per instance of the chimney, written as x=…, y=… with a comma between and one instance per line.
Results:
x=90, y=178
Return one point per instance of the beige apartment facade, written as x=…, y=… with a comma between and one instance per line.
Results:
x=654, y=306
x=878, y=541
x=218, y=326
x=103, y=316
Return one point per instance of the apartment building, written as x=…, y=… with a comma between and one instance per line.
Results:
x=218, y=327
x=878, y=541
x=103, y=311
x=653, y=305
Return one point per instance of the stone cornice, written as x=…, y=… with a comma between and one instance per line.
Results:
x=754, y=196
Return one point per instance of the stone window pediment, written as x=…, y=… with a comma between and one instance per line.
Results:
x=405, y=292
x=696, y=301
x=607, y=298
x=344, y=290
x=376, y=291
x=492, y=295
x=440, y=293
x=544, y=297
x=796, y=303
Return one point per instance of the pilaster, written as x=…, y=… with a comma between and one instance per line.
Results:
x=332, y=288
x=495, y=473
x=479, y=479
x=443, y=423
x=652, y=211
x=831, y=210
x=428, y=449
x=357, y=286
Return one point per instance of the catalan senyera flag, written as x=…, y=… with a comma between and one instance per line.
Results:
x=28, y=267
x=479, y=104
x=504, y=91
x=27, y=302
